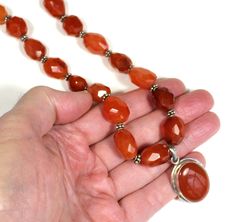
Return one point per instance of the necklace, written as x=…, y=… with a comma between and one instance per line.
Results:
x=189, y=179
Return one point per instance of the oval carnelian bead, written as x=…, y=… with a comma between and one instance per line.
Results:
x=173, y=130
x=56, y=68
x=72, y=25
x=55, y=7
x=115, y=110
x=95, y=43
x=164, y=99
x=77, y=83
x=193, y=182
x=126, y=144
x=121, y=62
x=16, y=27
x=34, y=49
x=3, y=14
x=97, y=92
x=155, y=155
x=143, y=78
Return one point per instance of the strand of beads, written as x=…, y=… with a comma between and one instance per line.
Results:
x=114, y=109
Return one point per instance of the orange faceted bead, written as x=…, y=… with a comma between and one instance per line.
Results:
x=126, y=144
x=97, y=92
x=173, y=130
x=193, y=182
x=55, y=7
x=72, y=25
x=3, y=14
x=34, y=49
x=95, y=43
x=142, y=77
x=16, y=27
x=77, y=83
x=56, y=68
x=164, y=99
x=121, y=62
x=115, y=110
x=155, y=155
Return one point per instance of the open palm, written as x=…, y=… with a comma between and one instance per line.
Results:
x=58, y=162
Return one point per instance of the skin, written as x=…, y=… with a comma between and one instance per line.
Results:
x=58, y=161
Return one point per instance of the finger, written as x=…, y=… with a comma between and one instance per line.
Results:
x=95, y=127
x=128, y=177
x=42, y=107
x=143, y=204
x=146, y=131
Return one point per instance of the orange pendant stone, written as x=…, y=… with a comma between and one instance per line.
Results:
x=173, y=130
x=126, y=144
x=77, y=83
x=97, y=92
x=72, y=25
x=115, y=110
x=121, y=62
x=143, y=78
x=56, y=68
x=55, y=7
x=3, y=14
x=95, y=43
x=164, y=99
x=16, y=27
x=34, y=49
x=193, y=182
x=155, y=155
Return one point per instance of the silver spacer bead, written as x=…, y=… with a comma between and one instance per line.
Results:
x=8, y=17
x=105, y=96
x=24, y=38
x=108, y=53
x=68, y=75
x=137, y=159
x=171, y=113
x=174, y=157
x=82, y=34
x=43, y=59
x=154, y=88
x=62, y=18
x=120, y=126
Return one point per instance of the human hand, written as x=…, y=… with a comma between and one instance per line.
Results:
x=58, y=162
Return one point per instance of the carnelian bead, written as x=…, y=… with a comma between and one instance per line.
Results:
x=115, y=110
x=77, y=83
x=126, y=144
x=95, y=43
x=142, y=77
x=155, y=155
x=173, y=130
x=3, y=14
x=164, y=99
x=97, y=92
x=55, y=7
x=121, y=62
x=72, y=25
x=16, y=27
x=34, y=49
x=56, y=68
x=193, y=182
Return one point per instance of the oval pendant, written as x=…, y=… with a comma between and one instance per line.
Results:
x=190, y=180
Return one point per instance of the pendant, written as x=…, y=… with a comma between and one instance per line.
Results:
x=190, y=180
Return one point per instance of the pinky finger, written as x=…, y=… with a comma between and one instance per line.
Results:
x=141, y=205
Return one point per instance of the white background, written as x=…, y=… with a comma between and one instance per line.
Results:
x=190, y=40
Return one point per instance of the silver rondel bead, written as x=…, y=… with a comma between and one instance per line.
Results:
x=82, y=34
x=62, y=18
x=24, y=38
x=154, y=88
x=105, y=96
x=171, y=113
x=174, y=157
x=108, y=53
x=120, y=126
x=68, y=75
x=8, y=17
x=137, y=159
x=44, y=59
